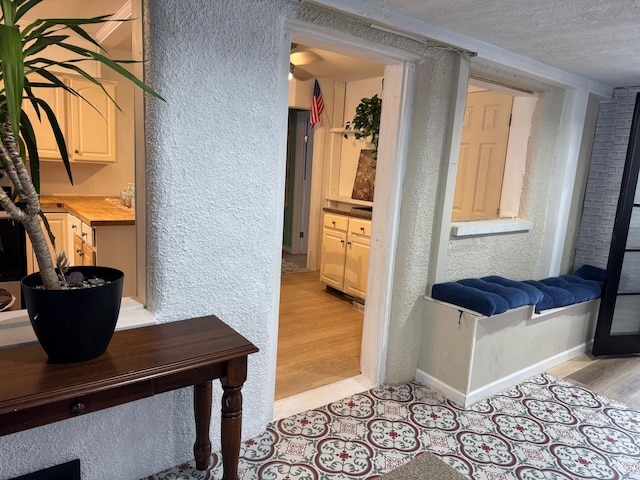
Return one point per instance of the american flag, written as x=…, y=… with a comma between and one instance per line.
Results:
x=317, y=105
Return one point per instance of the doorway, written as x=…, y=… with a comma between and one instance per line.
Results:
x=320, y=328
x=397, y=71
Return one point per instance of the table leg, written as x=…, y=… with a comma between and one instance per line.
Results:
x=202, y=412
x=232, y=416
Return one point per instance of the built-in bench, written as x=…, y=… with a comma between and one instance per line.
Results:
x=479, y=338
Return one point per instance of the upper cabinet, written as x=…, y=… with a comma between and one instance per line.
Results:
x=88, y=122
x=54, y=97
x=91, y=122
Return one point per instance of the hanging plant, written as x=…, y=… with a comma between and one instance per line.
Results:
x=366, y=122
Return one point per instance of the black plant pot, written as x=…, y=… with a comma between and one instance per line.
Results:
x=75, y=325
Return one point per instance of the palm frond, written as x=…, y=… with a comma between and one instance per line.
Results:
x=12, y=64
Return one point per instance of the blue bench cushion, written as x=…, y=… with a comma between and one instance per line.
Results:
x=513, y=296
x=484, y=302
x=493, y=294
x=589, y=272
x=594, y=286
x=535, y=295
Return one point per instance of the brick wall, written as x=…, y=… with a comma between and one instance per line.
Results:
x=605, y=175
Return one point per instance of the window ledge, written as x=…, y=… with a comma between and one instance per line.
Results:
x=489, y=227
x=15, y=327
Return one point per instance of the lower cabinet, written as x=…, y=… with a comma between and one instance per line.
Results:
x=58, y=225
x=345, y=253
x=106, y=246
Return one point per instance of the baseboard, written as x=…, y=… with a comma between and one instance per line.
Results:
x=456, y=396
x=467, y=399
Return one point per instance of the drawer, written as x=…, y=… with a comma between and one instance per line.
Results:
x=88, y=235
x=338, y=222
x=74, y=224
x=360, y=227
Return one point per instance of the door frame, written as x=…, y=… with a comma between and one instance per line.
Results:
x=392, y=157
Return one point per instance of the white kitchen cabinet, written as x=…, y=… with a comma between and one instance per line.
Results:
x=92, y=125
x=83, y=242
x=58, y=225
x=89, y=129
x=356, y=266
x=345, y=253
x=55, y=98
x=106, y=246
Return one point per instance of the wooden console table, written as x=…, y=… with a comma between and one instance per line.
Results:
x=138, y=363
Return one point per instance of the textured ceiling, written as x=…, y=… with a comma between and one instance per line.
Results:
x=596, y=39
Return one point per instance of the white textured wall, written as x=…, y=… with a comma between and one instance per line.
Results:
x=432, y=104
x=215, y=168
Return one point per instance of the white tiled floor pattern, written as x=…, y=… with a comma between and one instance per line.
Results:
x=541, y=429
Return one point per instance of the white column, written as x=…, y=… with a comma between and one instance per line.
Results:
x=562, y=183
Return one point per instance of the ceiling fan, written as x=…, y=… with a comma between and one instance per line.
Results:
x=299, y=57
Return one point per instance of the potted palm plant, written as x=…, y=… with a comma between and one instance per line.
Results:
x=25, y=65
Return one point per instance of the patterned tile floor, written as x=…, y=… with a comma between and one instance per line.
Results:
x=541, y=429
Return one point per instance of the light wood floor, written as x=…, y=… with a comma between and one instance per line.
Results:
x=617, y=378
x=319, y=338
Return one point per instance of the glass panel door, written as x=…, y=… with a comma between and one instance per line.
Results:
x=618, y=327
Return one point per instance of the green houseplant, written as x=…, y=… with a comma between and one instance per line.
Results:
x=25, y=65
x=366, y=121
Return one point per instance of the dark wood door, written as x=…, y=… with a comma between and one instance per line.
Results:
x=618, y=327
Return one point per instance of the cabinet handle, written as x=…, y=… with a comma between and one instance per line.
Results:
x=84, y=234
x=333, y=223
x=342, y=242
x=348, y=243
x=78, y=408
x=74, y=227
x=362, y=229
x=76, y=151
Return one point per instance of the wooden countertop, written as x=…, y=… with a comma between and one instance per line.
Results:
x=351, y=212
x=94, y=211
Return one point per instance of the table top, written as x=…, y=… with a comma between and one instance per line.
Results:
x=133, y=356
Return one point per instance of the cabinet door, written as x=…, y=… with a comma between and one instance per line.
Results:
x=333, y=255
x=88, y=256
x=73, y=231
x=92, y=134
x=46, y=140
x=58, y=225
x=78, y=254
x=356, y=266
